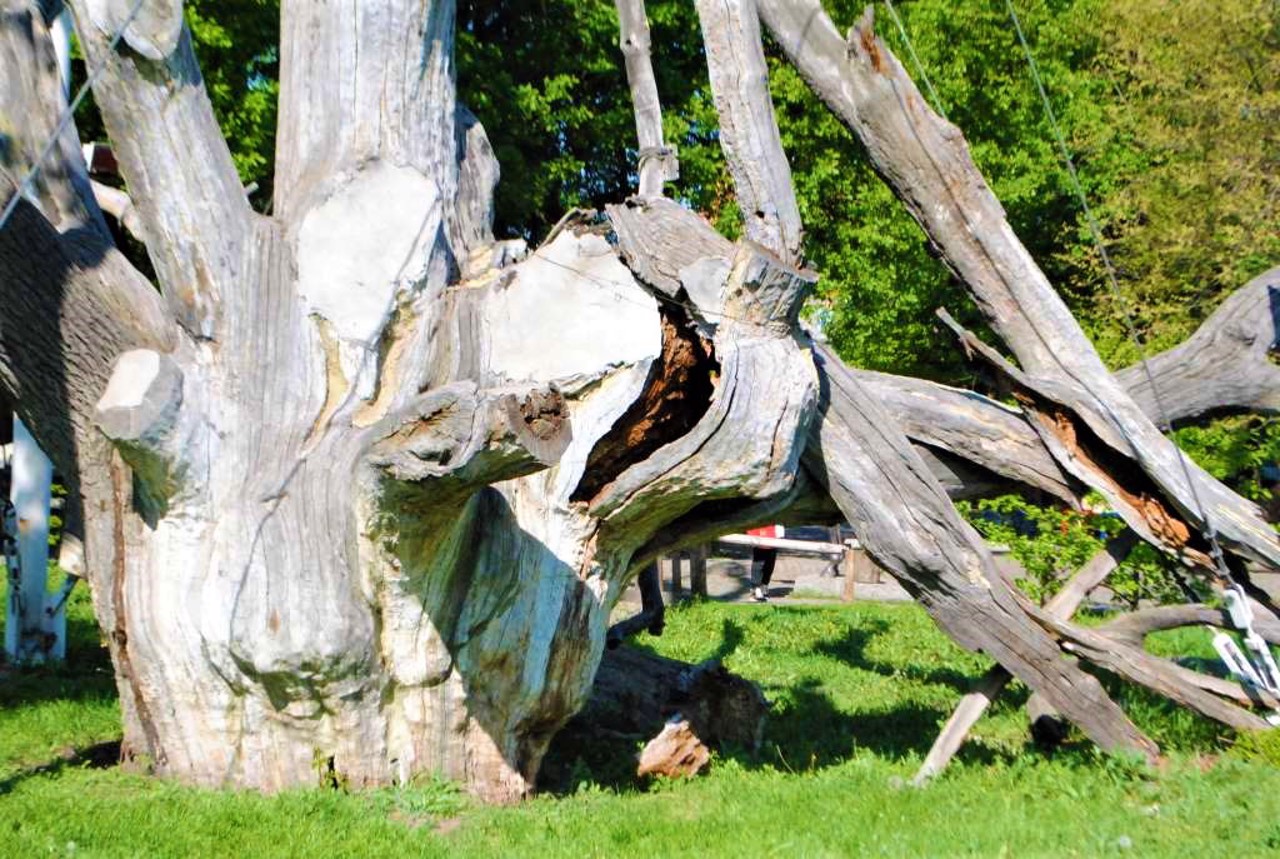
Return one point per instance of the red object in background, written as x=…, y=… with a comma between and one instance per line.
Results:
x=767, y=531
x=100, y=160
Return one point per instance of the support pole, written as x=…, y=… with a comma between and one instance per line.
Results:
x=31, y=635
x=988, y=688
x=698, y=570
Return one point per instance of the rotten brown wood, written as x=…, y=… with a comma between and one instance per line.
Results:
x=676, y=752
x=676, y=396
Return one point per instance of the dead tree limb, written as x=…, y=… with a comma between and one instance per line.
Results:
x=1091, y=425
x=1225, y=365
x=907, y=523
x=973, y=428
x=658, y=162
x=748, y=130
x=172, y=155
x=1063, y=604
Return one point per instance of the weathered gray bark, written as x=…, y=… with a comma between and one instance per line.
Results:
x=657, y=161
x=974, y=429
x=322, y=541
x=1090, y=424
x=748, y=131
x=1225, y=366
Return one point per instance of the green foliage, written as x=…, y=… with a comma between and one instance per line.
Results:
x=1234, y=450
x=1173, y=125
x=881, y=284
x=1184, y=161
x=548, y=83
x=1051, y=543
x=1260, y=746
x=238, y=45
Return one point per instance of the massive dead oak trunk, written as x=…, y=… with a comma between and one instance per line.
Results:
x=363, y=483
x=373, y=489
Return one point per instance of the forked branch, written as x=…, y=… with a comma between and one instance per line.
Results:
x=172, y=154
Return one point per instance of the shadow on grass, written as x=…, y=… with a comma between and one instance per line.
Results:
x=98, y=756
x=807, y=728
x=85, y=674
x=851, y=650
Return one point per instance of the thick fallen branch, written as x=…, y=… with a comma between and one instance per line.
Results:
x=907, y=523
x=1135, y=626
x=927, y=162
x=1225, y=366
x=973, y=428
x=1161, y=676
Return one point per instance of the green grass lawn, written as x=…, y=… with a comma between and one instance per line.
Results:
x=858, y=693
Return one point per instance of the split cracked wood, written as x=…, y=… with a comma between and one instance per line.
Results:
x=927, y=163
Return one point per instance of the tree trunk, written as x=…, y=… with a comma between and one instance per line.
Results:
x=374, y=491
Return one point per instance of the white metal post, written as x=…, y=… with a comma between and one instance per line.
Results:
x=30, y=634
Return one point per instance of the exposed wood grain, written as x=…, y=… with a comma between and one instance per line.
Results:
x=363, y=81
x=974, y=428
x=748, y=131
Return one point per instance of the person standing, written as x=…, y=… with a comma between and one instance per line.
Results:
x=763, y=559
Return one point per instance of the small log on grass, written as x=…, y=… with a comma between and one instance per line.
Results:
x=641, y=695
x=676, y=751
